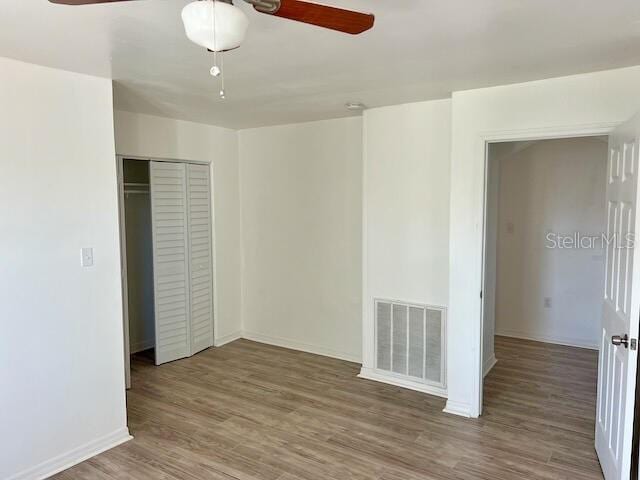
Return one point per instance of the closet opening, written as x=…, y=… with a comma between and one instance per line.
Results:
x=139, y=258
x=167, y=259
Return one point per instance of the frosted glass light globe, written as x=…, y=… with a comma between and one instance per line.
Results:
x=230, y=28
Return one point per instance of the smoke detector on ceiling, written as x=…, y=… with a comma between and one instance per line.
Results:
x=355, y=106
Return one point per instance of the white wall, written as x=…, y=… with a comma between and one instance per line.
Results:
x=61, y=359
x=301, y=230
x=149, y=136
x=589, y=103
x=406, y=207
x=552, y=186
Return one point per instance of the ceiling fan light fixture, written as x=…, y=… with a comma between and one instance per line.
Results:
x=230, y=24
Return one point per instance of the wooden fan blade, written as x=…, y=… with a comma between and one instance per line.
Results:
x=84, y=2
x=333, y=18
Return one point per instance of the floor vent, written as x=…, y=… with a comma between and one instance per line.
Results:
x=410, y=341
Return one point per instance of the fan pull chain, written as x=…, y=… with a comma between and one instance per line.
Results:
x=216, y=70
x=222, y=78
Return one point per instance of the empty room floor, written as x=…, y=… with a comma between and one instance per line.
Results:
x=251, y=411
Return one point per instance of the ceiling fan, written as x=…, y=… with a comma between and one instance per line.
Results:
x=333, y=18
x=220, y=26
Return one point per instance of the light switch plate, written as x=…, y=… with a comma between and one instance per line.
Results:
x=86, y=257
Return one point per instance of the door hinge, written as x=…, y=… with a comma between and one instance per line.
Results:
x=481, y=294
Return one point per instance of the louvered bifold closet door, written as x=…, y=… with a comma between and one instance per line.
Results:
x=169, y=204
x=200, y=261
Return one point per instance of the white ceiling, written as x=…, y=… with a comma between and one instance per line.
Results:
x=289, y=72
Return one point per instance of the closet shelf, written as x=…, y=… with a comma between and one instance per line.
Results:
x=131, y=188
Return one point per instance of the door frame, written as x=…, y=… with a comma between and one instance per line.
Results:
x=485, y=140
x=635, y=440
x=124, y=285
x=123, y=248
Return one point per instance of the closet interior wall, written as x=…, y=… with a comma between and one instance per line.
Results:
x=139, y=255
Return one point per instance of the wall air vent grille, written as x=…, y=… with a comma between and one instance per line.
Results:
x=410, y=341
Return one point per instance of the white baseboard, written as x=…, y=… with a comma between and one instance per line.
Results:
x=142, y=345
x=66, y=460
x=457, y=408
x=489, y=363
x=569, y=342
x=300, y=346
x=232, y=337
x=376, y=375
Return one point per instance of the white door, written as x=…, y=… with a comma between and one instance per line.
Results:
x=200, y=257
x=617, y=364
x=170, y=260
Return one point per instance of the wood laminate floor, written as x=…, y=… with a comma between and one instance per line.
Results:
x=248, y=411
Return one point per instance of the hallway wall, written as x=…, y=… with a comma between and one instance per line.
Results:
x=546, y=291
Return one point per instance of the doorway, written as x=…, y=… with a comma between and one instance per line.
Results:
x=619, y=323
x=544, y=274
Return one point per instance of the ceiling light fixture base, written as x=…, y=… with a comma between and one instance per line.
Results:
x=265, y=6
